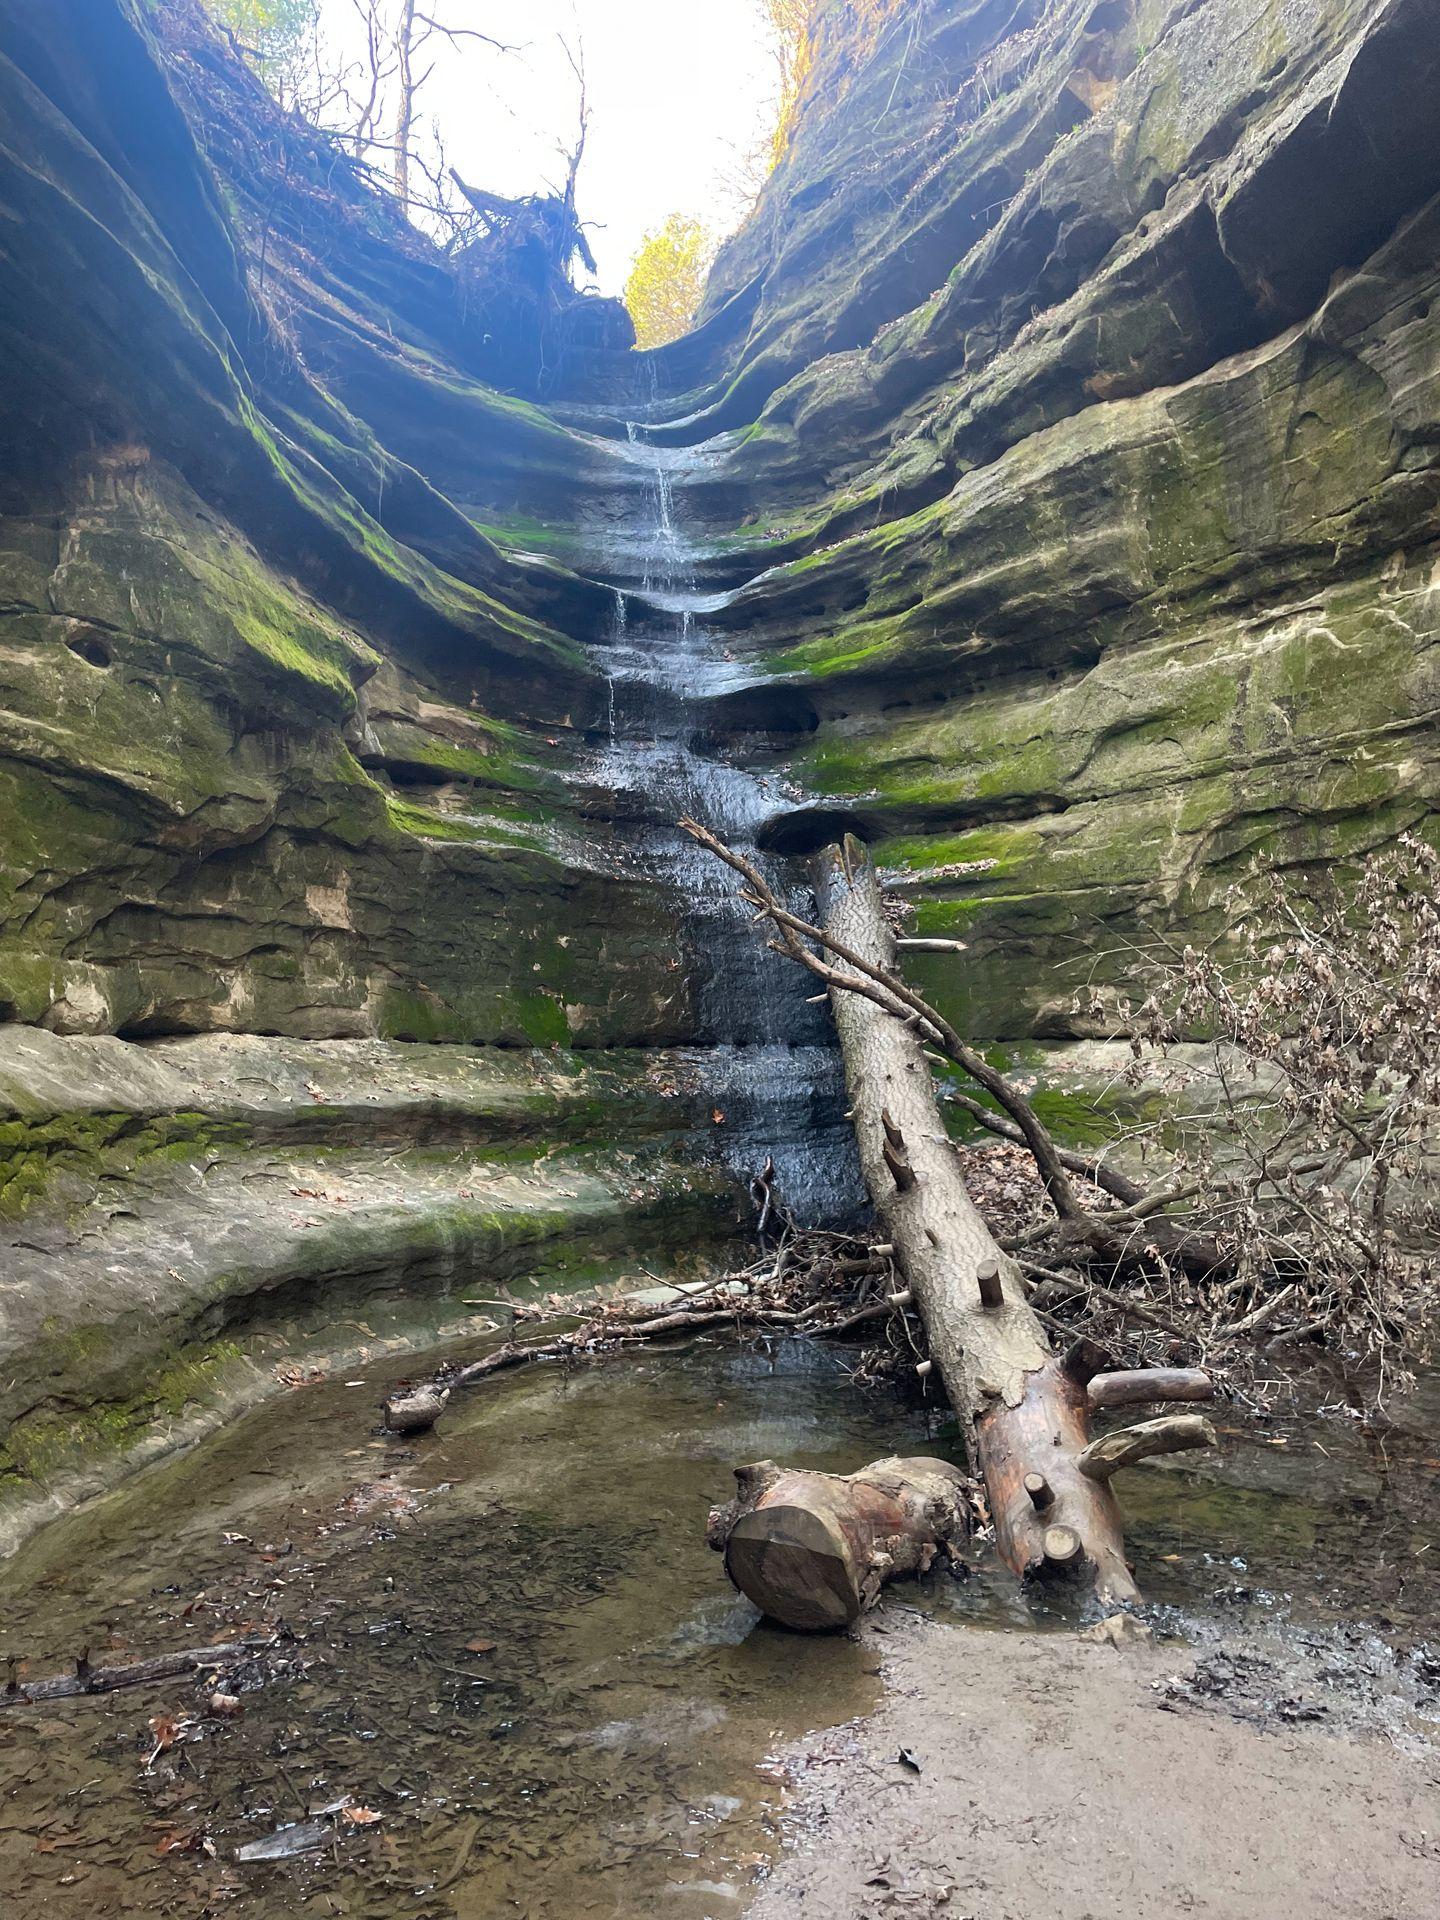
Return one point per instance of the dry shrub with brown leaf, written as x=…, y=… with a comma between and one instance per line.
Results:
x=1310, y=1119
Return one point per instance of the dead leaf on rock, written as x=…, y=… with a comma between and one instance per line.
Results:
x=197, y=1841
x=289, y=1375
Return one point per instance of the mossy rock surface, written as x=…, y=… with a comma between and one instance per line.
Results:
x=1071, y=491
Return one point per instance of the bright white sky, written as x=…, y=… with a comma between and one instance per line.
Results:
x=680, y=90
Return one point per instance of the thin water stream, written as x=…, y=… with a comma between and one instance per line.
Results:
x=771, y=1060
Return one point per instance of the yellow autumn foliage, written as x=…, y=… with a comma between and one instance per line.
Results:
x=667, y=279
x=790, y=23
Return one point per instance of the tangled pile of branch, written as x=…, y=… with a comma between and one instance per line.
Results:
x=808, y=1283
x=1311, y=1112
x=1299, y=1239
x=1294, y=1202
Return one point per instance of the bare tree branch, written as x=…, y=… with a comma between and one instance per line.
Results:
x=887, y=990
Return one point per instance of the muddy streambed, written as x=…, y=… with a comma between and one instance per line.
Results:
x=512, y=1645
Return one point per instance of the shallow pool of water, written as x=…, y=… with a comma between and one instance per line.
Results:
x=514, y=1647
x=518, y=1651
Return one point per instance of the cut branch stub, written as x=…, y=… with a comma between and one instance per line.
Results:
x=895, y=1156
x=987, y=1278
x=1062, y=1549
x=1084, y=1358
x=812, y=1550
x=901, y=1171
x=1138, y=1385
x=1039, y=1490
x=1173, y=1433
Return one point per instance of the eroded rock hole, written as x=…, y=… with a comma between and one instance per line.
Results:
x=410, y=773
x=90, y=648
x=778, y=715
x=807, y=829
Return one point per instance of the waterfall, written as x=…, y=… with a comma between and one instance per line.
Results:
x=617, y=638
x=769, y=1063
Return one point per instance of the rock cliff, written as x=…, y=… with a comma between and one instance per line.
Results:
x=1091, y=395
x=1060, y=439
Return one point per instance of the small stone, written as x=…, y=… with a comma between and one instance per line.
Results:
x=1118, y=1630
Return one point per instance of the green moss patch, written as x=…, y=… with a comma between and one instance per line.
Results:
x=84, y=1148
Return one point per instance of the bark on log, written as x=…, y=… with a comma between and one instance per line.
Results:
x=1024, y=1413
x=1140, y=1385
x=415, y=1411
x=812, y=1550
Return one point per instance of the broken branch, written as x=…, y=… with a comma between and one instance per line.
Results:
x=1173, y=1433
x=136, y=1673
x=1138, y=1385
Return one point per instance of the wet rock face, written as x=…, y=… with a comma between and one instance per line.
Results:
x=289, y=737
x=1093, y=380
x=286, y=736
x=1087, y=377
x=1063, y=434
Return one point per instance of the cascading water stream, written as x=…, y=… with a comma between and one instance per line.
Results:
x=771, y=1061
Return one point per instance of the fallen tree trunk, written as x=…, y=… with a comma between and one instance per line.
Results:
x=812, y=1550
x=1024, y=1408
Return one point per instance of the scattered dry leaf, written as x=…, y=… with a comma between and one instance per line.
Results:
x=196, y=1841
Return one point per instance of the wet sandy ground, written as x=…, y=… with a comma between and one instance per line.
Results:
x=1064, y=1778
x=507, y=1644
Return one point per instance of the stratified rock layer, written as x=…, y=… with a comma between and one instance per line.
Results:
x=287, y=746
x=1065, y=426
x=1106, y=567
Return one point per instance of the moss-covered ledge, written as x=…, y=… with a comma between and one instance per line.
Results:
x=129, y=1331
x=177, y=1219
